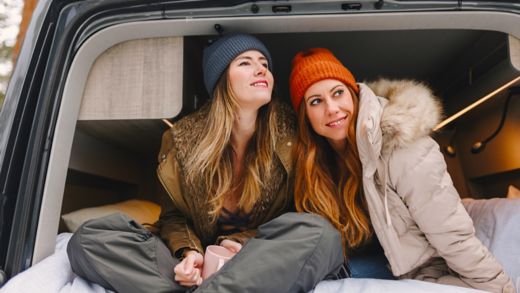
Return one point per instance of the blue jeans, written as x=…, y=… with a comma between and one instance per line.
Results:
x=373, y=266
x=367, y=262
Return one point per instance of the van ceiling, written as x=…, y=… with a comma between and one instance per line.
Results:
x=415, y=54
x=425, y=55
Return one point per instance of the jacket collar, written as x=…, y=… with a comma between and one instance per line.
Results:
x=411, y=113
x=283, y=150
x=408, y=112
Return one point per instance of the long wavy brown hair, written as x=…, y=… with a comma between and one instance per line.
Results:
x=210, y=164
x=329, y=184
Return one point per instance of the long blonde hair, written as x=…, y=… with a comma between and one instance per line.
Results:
x=320, y=190
x=210, y=163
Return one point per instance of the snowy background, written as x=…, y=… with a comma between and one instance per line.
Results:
x=10, y=17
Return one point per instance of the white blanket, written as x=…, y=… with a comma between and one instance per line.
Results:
x=379, y=286
x=497, y=223
x=52, y=275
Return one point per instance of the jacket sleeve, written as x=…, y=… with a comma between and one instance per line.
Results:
x=419, y=175
x=175, y=230
x=174, y=225
x=241, y=237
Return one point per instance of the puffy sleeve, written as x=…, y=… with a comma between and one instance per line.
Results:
x=419, y=175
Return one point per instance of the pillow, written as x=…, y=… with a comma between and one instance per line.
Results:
x=513, y=192
x=496, y=225
x=142, y=211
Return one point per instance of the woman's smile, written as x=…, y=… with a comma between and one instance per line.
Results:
x=261, y=84
x=338, y=122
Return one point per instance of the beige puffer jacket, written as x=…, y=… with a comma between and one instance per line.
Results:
x=415, y=210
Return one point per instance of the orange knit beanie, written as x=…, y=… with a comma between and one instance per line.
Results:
x=312, y=66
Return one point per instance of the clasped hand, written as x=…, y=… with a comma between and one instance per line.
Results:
x=189, y=271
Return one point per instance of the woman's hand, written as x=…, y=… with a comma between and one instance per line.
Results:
x=188, y=272
x=231, y=245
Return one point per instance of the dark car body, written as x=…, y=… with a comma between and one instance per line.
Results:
x=399, y=39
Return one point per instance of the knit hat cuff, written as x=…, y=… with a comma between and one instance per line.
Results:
x=218, y=56
x=308, y=70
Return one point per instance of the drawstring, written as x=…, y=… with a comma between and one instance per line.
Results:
x=387, y=212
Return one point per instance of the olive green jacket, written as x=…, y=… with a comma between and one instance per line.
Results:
x=185, y=220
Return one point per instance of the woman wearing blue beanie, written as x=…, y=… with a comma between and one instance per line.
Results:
x=227, y=169
x=233, y=154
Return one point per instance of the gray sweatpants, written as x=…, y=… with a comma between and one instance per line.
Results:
x=291, y=253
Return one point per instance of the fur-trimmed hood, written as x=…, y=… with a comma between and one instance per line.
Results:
x=408, y=112
x=411, y=111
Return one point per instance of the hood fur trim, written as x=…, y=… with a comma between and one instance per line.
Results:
x=411, y=113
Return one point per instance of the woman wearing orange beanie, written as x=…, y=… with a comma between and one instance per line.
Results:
x=368, y=165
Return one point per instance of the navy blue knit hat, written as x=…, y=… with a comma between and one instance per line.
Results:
x=218, y=55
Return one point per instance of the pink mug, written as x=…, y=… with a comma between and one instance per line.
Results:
x=214, y=259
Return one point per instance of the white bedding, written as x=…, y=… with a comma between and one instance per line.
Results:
x=497, y=224
x=379, y=286
x=52, y=275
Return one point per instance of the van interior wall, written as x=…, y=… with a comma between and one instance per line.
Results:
x=488, y=64
x=194, y=92
x=115, y=160
x=103, y=171
x=490, y=172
